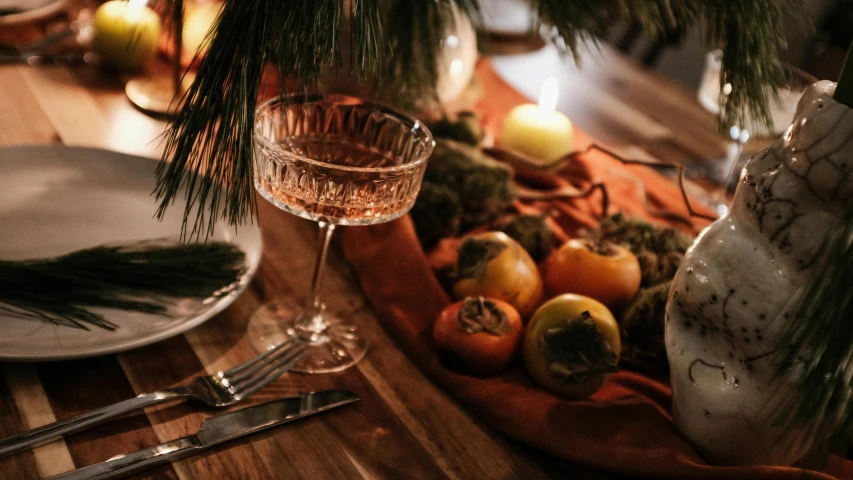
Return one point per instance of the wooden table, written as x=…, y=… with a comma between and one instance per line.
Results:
x=403, y=427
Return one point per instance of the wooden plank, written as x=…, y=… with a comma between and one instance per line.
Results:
x=140, y=128
x=79, y=119
x=75, y=387
x=70, y=108
x=32, y=403
x=661, y=99
x=463, y=446
x=131, y=130
x=22, y=120
x=23, y=464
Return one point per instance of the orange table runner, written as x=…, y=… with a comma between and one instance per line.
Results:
x=627, y=426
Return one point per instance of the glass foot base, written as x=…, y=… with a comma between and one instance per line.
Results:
x=337, y=347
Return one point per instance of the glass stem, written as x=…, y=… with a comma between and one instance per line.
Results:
x=313, y=321
x=739, y=138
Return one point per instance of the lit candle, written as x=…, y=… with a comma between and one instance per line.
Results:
x=539, y=131
x=197, y=25
x=126, y=33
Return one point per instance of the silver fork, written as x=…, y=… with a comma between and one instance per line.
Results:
x=219, y=390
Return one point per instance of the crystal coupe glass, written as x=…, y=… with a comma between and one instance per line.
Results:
x=335, y=160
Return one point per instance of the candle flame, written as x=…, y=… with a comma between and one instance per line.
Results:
x=548, y=94
x=456, y=67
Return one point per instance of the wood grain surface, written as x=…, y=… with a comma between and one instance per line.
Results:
x=403, y=427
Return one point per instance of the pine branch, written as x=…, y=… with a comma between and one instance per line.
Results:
x=398, y=42
x=416, y=35
x=368, y=36
x=748, y=31
x=210, y=140
x=177, y=15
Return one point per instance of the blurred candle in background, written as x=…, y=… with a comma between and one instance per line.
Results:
x=197, y=24
x=539, y=131
x=126, y=33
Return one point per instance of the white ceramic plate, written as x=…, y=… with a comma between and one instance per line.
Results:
x=57, y=199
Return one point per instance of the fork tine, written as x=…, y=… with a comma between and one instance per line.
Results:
x=247, y=382
x=270, y=360
x=275, y=371
x=272, y=351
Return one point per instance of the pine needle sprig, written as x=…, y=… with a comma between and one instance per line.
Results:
x=817, y=346
x=142, y=277
x=210, y=140
x=749, y=34
x=416, y=36
x=576, y=24
x=369, y=38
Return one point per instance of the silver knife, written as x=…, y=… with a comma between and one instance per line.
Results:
x=215, y=430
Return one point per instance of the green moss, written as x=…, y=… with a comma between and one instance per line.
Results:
x=465, y=128
x=658, y=249
x=437, y=213
x=487, y=192
x=485, y=187
x=532, y=233
x=642, y=330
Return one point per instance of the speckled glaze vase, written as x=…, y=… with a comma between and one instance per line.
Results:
x=738, y=285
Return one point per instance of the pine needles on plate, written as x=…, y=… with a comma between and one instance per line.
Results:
x=142, y=277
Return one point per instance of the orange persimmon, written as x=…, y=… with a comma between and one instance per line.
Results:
x=494, y=265
x=604, y=271
x=484, y=333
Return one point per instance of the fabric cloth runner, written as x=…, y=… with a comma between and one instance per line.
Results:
x=627, y=426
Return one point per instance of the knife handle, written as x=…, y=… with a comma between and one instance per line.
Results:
x=144, y=459
x=85, y=420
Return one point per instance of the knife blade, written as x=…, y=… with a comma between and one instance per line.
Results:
x=215, y=430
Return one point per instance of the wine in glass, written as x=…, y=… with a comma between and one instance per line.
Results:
x=335, y=160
